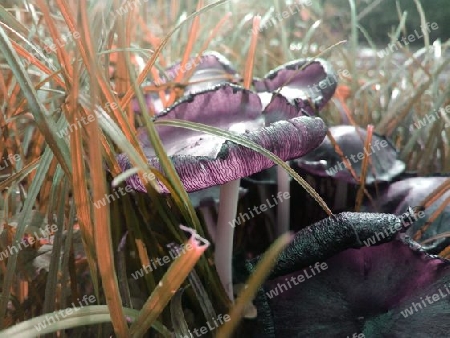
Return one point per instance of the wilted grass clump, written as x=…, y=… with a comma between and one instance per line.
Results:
x=69, y=72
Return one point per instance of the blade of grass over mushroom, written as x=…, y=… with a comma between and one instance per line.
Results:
x=33, y=192
x=114, y=132
x=249, y=144
x=180, y=194
x=256, y=279
x=171, y=281
x=365, y=166
x=129, y=94
x=87, y=315
x=40, y=113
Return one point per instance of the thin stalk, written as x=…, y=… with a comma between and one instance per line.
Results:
x=229, y=194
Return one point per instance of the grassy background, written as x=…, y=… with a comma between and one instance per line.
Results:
x=58, y=179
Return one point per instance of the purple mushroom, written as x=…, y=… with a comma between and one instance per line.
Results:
x=400, y=195
x=203, y=160
x=324, y=161
x=309, y=84
x=210, y=69
x=303, y=81
x=335, y=280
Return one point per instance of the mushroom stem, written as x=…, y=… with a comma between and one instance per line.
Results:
x=269, y=220
x=340, y=196
x=229, y=195
x=283, y=207
x=209, y=220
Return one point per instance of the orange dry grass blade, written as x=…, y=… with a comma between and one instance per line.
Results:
x=436, y=194
x=31, y=59
x=251, y=53
x=342, y=94
x=193, y=33
x=431, y=198
x=129, y=94
x=339, y=151
x=63, y=57
x=80, y=184
x=347, y=163
x=149, y=36
x=205, y=45
x=102, y=230
x=116, y=114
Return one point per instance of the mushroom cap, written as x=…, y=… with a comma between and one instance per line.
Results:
x=325, y=162
x=204, y=160
x=411, y=192
x=210, y=69
x=317, y=82
x=359, y=290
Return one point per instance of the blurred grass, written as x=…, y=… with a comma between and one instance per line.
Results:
x=42, y=90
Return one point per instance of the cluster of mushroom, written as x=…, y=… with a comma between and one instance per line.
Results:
x=279, y=122
x=366, y=286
